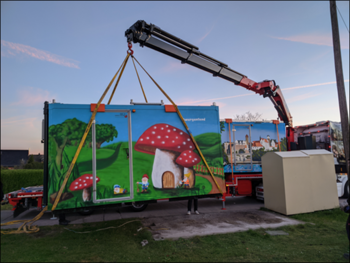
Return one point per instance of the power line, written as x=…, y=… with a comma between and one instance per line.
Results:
x=342, y=18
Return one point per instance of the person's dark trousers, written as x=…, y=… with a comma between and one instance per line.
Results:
x=62, y=219
x=189, y=204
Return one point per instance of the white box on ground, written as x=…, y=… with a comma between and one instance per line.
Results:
x=324, y=189
x=287, y=182
x=299, y=181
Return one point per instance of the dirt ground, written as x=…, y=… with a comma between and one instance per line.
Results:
x=185, y=226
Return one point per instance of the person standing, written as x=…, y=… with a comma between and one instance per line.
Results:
x=189, y=205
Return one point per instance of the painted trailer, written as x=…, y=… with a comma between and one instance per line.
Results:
x=134, y=154
x=244, y=143
x=138, y=154
x=326, y=135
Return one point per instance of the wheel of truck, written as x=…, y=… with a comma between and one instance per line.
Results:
x=138, y=207
x=346, y=190
x=86, y=212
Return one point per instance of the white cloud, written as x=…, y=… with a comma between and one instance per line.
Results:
x=30, y=96
x=303, y=97
x=9, y=49
x=205, y=35
x=318, y=39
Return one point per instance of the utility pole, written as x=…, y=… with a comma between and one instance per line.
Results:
x=340, y=86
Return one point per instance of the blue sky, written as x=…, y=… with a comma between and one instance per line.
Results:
x=69, y=51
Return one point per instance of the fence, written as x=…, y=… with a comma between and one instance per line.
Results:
x=203, y=169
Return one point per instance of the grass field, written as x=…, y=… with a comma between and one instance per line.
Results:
x=6, y=207
x=322, y=239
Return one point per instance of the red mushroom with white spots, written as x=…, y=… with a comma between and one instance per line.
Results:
x=188, y=159
x=166, y=142
x=84, y=183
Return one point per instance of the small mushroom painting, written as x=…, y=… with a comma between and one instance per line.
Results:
x=84, y=183
x=174, y=157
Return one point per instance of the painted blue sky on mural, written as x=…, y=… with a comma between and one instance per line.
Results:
x=257, y=130
x=200, y=119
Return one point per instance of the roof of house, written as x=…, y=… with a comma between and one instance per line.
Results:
x=10, y=158
x=256, y=144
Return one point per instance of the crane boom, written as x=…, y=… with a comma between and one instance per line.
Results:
x=151, y=36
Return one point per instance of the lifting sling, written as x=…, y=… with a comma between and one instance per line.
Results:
x=27, y=227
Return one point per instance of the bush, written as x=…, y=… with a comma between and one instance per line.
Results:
x=13, y=180
x=33, y=164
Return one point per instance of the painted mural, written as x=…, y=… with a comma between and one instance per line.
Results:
x=336, y=142
x=165, y=163
x=250, y=147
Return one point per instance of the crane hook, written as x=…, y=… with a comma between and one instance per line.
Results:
x=130, y=51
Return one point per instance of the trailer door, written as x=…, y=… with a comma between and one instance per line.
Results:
x=112, y=163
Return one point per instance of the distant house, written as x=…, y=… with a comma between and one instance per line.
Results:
x=256, y=145
x=269, y=144
x=12, y=158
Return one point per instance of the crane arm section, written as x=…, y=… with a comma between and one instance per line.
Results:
x=155, y=38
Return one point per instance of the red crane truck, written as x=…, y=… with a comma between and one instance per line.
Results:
x=241, y=182
x=239, y=152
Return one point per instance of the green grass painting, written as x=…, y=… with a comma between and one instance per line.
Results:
x=112, y=168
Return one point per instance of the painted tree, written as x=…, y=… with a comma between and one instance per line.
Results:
x=77, y=133
x=283, y=144
x=105, y=133
x=222, y=126
x=225, y=156
x=70, y=130
x=257, y=154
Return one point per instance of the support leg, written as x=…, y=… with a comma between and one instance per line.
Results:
x=40, y=202
x=223, y=202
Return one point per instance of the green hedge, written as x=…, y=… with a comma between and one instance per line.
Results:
x=15, y=179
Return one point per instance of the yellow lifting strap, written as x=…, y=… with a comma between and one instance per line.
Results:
x=139, y=79
x=85, y=134
x=121, y=73
x=184, y=122
x=32, y=229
